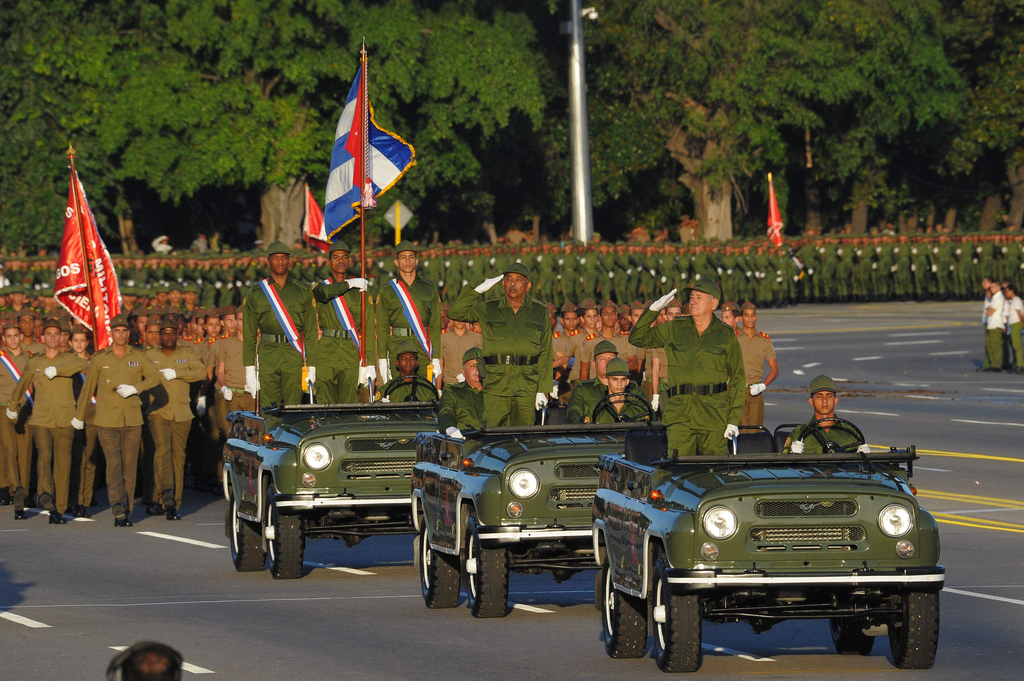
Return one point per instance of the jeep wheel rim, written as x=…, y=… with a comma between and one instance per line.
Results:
x=425, y=562
x=660, y=626
x=473, y=550
x=609, y=605
x=234, y=532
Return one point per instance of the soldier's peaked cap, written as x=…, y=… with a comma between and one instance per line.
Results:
x=339, y=245
x=730, y=307
x=119, y=322
x=821, y=383
x=51, y=323
x=568, y=307
x=278, y=248
x=707, y=286
x=169, y=321
x=471, y=354
x=747, y=305
x=406, y=245
x=404, y=347
x=518, y=268
x=605, y=346
x=617, y=367
x=609, y=303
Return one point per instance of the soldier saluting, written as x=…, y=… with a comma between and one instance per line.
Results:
x=408, y=307
x=282, y=313
x=338, y=313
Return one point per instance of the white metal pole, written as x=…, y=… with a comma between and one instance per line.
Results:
x=582, y=211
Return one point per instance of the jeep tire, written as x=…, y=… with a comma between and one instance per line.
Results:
x=624, y=618
x=439, y=574
x=849, y=637
x=288, y=546
x=487, y=586
x=914, y=635
x=244, y=537
x=677, y=640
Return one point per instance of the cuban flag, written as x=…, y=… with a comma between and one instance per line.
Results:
x=389, y=158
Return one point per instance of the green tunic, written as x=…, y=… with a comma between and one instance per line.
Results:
x=393, y=327
x=462, y=406
x=337, y=379
x=840, y=434
x=587, y=394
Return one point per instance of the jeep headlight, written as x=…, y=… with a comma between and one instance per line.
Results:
x=524, y=483
x=720, y=522
x=317, y=457
x=895, y=520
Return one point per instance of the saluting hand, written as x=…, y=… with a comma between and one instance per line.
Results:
x=661, y=303
x=488, y=284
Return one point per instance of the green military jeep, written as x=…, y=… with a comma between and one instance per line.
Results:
x=761, y=537
x=318, y=471
x=505, y=499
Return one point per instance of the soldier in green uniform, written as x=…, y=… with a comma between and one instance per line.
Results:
x=116, y=376
x=280, y=376
x=516, y=344
x=51, y=373
x=462, y=404
x=404, y=387
x=703, y=399
x=15, y=437
x=395, y=323
x=339, y=373
x=587, y=394
x=823, y=400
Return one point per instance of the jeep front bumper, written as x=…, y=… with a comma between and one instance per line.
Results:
x=492, y=536
x=683, y=581
x=291, y=503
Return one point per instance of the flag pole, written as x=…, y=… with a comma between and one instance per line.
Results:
x=81, y=236
x=362, y=211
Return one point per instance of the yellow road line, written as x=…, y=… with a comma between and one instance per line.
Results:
x=971, y=499
x=997, y=524
x=983, y=527
x=956, y=455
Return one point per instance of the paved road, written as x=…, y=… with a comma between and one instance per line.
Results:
x=910, y=379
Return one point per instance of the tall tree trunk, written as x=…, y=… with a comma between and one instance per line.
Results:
x=282, y=210
x=912, y=221
x=126, y=228
x=929, y=221
x=1016, y=177
x=990, y=213
x=950, y=222
x=716, y=210
x=859, y=217
x=536, y=228
x=488, y=222
x=714, y=203
x=813, y=223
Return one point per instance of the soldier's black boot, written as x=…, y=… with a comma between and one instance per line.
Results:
x=168, y=501
x=80, y=512
x=57, y=518
x=121, y=516
x=46, y=501
x=19, y=514
x=5, y=497
x=172, y=514
x=19, y=503
x=154, y=509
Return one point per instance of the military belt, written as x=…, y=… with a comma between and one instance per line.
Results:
x=272, y=338
x=337, y=333
x=515, y=360
x=690, y=389
x=400, y=332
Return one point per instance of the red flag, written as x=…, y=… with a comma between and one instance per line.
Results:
x=86, y=282
x=313, y=224
x=774, y=217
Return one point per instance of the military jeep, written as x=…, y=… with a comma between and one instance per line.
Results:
x=761, y=537
x=338, y=471
x=505, y=499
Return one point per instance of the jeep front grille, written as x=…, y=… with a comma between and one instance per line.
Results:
x=566, y=471
x=377, y=466
x=800, y=509
x=806, y=534
x=384, y=444
x=563, y=494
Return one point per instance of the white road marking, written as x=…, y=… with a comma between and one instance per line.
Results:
x=840, y=380
x=737, y=653
x=988, y=423
x=13, y=530
x=183, y=540
x=789, y=347
x=530, y=608
x=920, y=342
x=812, y=364
x=927, y=397
x=767, y=404
x=18, y=619
x=208, y=524
x=937, y=470
x=185, y=666
x=872, y=413
x=920, y=333
x=798, y=372
x=85, y=520
x=1003, y=390
x=783, y=340
x=987, y=597
x=912, y=385
x=351, y=571
x=949, y=352
x=217, y=601
x=865, y=359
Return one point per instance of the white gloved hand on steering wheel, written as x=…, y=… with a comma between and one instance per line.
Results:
x=797, y=446
x=661, y=303
x=452, y=431
x=864, y=449
x=756, y=389
x=488, y=284
x=731, y=431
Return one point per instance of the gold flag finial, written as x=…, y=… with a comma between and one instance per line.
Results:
x=769, y=177
x=71, y=151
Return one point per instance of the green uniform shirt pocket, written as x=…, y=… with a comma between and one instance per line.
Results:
x=496, y=330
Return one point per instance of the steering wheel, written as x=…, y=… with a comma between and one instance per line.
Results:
x=416, y=380
x=621, y=417
x=827, y=445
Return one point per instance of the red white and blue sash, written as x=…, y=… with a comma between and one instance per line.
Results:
x=12, y=368
x=291, y=331
x=346, y=318
x=412, y=316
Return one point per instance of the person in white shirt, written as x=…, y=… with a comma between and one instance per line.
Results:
x=995, y=326
x=1014, y=323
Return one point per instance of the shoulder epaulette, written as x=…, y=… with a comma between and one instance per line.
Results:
x=557, y=334
x=762, y=333
x=623, y=333
x=212, y=341
x=574, y=333
x=590, y=336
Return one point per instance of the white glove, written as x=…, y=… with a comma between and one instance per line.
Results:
x=367, y=374
x=488, y=283
x=383, y=371
x=311, y=375
x=452, y=431
x=757, y=389
x=554, y=393
x=731, y=431
x=661, y=303
x=541, y=402
x=126, y=391
x=201, y=405
x=77, y=425
x=226, y=393
x=357, y=282
x=12, y=415
x=169, y=374
x=656, y=402
x=386, y=400
x=436, y=363
x=797, y=447
x=50, y=372
x=864, y=449
x=461, y=378
x=252, y=384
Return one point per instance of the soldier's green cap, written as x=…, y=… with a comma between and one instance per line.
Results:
x=119, y=321
x=168, y=321
x=227, y=311
x=278, y=248
x=212, y=312
x=622, y=310
x=730, y=306
x=406, y=245
x=404, y=347
x=518, y=268
x=637, y=305
x=339, y=245
x=568, y=307
x=197, y=313
x=822, y=382
x=27, y=312
x=191, y=288
x=174, y=286
x=473, y=353
x=605, y=346
x=11, y=324
x=747, y=305
x=617, y=367
x=707, y=286
x=51, y=323
x=588, y=304
x=153, y=320
x=609, y=303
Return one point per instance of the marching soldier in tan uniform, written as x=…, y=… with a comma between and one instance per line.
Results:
x=117, y=375
x=83, y=451
x=757, y=349
x=171, y=419
x=231, y=375
x=27, y=322
x=15, y=437
x=52, y=412
x=454, y=344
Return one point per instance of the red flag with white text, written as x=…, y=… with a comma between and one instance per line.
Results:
x=774, y=217
x=86, y=282
x=313, y=224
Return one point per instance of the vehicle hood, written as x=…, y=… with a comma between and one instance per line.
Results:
x=523, y=449
x=782, y=479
